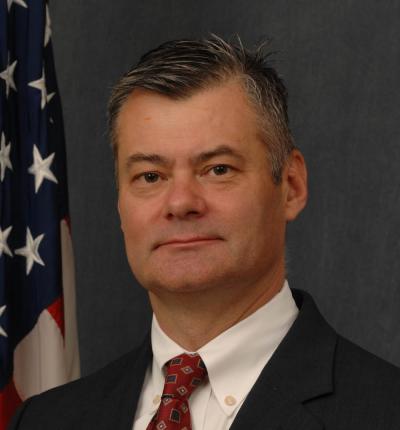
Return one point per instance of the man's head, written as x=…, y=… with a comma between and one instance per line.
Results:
x=178, y=69
x=191, y=145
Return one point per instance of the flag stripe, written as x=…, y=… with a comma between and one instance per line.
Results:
x=56, y=310
x=9, y=402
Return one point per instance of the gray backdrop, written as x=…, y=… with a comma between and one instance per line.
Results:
x=340, y=61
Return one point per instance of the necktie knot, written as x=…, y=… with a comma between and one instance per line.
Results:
x=185, y=373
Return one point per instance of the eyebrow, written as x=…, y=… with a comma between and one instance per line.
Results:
x=160, y=160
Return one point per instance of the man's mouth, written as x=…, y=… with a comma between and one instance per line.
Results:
x=189, y=241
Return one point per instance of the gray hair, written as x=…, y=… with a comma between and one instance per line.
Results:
x=179, y=68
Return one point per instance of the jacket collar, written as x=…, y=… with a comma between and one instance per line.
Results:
x=300, y=369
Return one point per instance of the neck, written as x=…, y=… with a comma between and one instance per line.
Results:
x=194, y=319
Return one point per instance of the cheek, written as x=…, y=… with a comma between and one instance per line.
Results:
x=261, y=217
x=131, y=219
x=139, y=227
x=240, y=218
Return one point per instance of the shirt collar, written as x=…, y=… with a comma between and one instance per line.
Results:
x=244, y=349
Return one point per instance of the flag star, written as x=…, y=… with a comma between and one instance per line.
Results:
x=20, y=2
x=7, y=75
x=47, y=30
x=31, y=250
x=4, y=157
x=41, y=168
x=40, y=84
x=2, y=332
x=50, y=96
x=3, y=241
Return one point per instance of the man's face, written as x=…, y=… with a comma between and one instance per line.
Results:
x=197, y=168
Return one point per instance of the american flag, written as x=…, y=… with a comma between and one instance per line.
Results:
x=38, y=339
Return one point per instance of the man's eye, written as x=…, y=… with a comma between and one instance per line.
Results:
x=149, y=177
x=221, y=169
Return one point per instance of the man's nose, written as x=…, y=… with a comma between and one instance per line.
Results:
x=185, y=198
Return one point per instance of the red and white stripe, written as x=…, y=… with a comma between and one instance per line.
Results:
x=49, y=355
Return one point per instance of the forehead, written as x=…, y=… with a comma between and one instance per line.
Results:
x=219, y=115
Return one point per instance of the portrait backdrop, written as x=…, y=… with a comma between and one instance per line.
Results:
x=340, y=61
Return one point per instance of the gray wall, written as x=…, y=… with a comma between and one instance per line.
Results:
x=341, y=63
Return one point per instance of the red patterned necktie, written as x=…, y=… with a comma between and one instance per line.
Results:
x=184, y=373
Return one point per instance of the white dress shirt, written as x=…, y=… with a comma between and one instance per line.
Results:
x=234, y=361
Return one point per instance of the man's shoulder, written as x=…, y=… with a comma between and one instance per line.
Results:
x=358, y=364
x=342, y=384
x=365, y=388
x=351, y=361
x=70, y=403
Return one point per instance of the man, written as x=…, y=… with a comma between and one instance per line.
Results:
x=208, y=178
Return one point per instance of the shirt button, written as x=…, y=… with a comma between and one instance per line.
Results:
x=156, y=399
x=230, y=400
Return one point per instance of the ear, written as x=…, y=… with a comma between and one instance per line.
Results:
x=294, y=178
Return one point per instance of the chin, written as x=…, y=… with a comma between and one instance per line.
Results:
x=178, y=282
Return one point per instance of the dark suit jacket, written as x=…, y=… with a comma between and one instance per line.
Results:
x=315, y=380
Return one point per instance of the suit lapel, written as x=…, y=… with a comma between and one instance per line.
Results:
x=119, y=391
x=300, y=370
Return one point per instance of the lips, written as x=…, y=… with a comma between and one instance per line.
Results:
x=183, y=240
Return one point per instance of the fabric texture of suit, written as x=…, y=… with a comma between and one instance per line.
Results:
x=315, y=380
